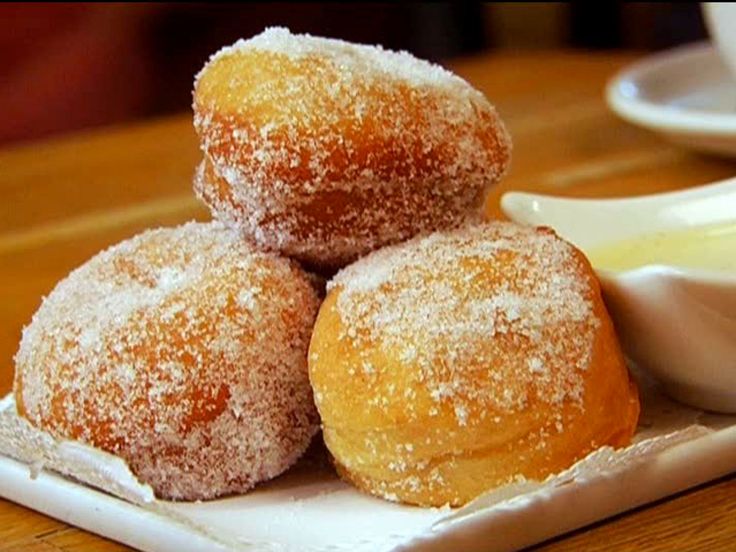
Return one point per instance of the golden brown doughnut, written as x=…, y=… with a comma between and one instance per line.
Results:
x=461, y=361
x=326, y=150
x=181, y=350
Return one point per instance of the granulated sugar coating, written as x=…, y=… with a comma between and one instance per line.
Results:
x=181, y=350
x=326, y=150
x=459, y=361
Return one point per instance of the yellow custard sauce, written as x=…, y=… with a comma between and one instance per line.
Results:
x=707, y=247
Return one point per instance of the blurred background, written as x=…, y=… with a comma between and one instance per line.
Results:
x=68, y=66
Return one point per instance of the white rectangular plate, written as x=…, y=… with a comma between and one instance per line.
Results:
x=309, y=509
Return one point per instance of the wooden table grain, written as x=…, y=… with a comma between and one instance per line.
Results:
x=63, y=200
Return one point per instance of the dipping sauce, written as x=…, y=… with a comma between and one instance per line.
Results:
x=709, y=247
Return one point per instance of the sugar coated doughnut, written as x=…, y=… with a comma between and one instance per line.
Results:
x=325, y=150
x=181, y=350
x=464, y=360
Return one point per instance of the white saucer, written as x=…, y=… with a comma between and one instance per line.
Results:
x=687, y=94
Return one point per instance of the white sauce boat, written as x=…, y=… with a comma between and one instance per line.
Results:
x=677, y=323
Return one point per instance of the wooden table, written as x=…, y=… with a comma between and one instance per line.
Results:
x=63, y=200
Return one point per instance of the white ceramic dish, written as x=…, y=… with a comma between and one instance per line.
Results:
x=686, y=94
x=310, y=510
x=679, y=324
x=720, y=18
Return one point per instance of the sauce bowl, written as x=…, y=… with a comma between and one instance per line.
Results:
x=677, y=323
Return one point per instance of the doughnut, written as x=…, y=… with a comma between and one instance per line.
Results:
x=325, y=150
x=184, y=352
x=466, y=359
